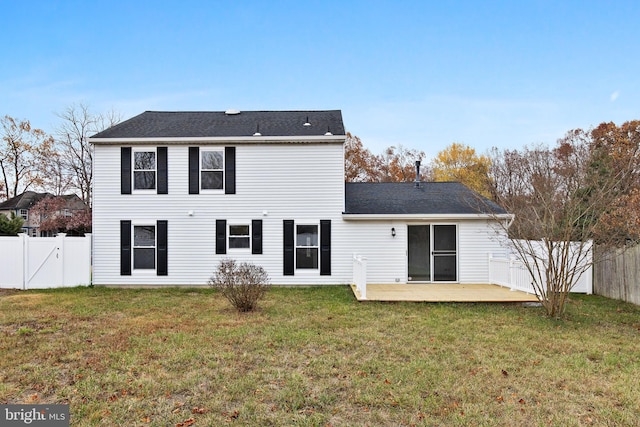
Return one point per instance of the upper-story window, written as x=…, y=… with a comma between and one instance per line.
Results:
x=144, y=170
x=211, y=169
x=24, y=213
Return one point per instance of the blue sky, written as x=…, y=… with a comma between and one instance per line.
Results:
x=421, y=74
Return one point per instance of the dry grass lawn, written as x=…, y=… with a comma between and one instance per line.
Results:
x=315, y=356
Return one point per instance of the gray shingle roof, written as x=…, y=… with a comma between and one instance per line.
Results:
x=177, y=124
x=27, y=199
x=24, y=200
x=392, y=198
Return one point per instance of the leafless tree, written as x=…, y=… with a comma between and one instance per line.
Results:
x=25, y=153
x=72, y=137
x=561, y=202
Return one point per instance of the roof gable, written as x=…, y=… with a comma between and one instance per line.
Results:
x=198, y=124
x=404, y=198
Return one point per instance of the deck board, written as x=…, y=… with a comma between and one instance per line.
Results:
x=449, y=292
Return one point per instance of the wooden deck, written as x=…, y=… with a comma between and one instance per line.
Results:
x=437, y=292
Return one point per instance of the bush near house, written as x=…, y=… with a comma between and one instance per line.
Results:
x=242, y=284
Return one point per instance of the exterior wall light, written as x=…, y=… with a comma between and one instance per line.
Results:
x=393, y=232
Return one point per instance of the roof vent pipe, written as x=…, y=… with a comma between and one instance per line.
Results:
x=417, y=173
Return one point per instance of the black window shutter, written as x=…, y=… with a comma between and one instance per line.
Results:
x=289, y=247
x=125, y=248
x=162, y=248
x=163, y=187
x=256, y=236
x=230, y=170
x=221, y=236
x=125, y=170
x=194, y=170
x=325, y=247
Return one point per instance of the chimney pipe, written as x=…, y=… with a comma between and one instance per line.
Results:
x=417, y=173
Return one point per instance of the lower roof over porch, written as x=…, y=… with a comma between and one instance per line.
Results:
x=442, y=292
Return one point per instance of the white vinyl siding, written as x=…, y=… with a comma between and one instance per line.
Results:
x=274, y=182
x=307, y=185
x=387, y=255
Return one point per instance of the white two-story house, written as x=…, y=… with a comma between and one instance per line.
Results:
x=177, y=192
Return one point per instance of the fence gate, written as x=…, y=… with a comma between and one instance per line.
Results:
x=44, y=262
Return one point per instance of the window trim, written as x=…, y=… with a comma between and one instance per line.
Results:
x=248, y=236
x=201, y=151
x=316, y=246
x=134, y=247
x=135, y=150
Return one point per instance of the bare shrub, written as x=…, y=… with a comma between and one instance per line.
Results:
x=242, y=284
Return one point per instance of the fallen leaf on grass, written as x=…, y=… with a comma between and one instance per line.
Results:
x=197, y=410
x=231, y=416
x=186, y=423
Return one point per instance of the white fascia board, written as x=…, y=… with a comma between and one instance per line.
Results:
x=222, y=140
x=423, y=217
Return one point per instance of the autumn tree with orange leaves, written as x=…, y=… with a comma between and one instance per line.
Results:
x=396, y=164
x=616, y=153
x=360, y=165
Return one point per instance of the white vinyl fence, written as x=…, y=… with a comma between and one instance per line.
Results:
x=360, y=275
x=512, y=273
x=44, y=262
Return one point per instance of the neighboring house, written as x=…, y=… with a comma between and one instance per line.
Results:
x=176, y=192
x=22, y=204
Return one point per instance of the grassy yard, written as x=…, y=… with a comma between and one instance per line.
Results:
x=315, y=356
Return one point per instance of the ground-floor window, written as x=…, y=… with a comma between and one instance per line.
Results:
x=144, y=247
x=239, y=236
x=307, y=246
